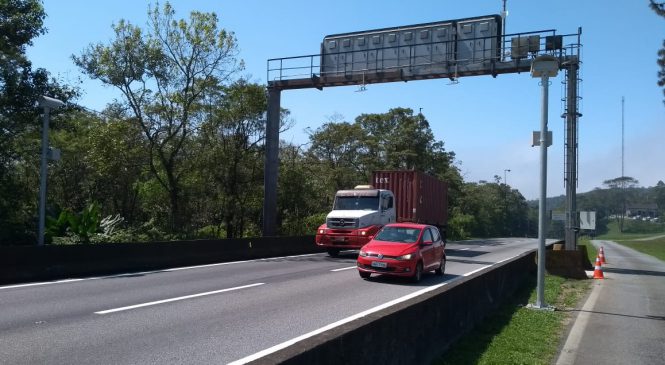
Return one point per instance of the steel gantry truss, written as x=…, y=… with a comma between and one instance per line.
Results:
x=516, y=54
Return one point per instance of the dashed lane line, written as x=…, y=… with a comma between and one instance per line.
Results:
x=176, y=299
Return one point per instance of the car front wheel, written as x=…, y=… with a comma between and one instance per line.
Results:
x=418, y=273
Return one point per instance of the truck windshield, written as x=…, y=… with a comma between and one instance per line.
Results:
x=398, y=234
x=356, y=203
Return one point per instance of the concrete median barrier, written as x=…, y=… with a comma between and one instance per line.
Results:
x=50, y=262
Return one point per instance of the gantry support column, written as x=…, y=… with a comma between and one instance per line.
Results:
x=271, y=165
x=572, y=114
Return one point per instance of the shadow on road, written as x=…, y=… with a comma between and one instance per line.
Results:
x=633, y=271
x=646, y=316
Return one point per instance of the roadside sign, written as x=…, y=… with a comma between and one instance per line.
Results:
x=588, y=220
x=558, y=216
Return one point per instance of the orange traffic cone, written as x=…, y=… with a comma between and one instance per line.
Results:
x=598, y=270
x=601, y=254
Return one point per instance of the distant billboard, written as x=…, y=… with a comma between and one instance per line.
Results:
x=419, y=49
x=588, y=220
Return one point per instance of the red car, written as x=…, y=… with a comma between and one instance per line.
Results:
x=403, y=249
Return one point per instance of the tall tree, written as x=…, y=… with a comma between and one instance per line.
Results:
x=618, y=186
x=164, y=72
x=659, y=8
x=231, y=151
x=102, y=161
x=20, y=86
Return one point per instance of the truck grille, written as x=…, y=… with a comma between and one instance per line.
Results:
x=342, y=223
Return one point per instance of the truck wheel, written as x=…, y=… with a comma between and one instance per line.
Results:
x=364, y=275
x=333, y=252
x=442, y=267
x=418, y=274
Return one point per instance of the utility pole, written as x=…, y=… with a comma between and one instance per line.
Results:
x=543, y=67
x=47, y=104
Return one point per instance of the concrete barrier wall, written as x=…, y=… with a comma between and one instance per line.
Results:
x=416, y=331
x=29, y=263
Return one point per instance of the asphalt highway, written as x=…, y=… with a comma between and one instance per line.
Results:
x=221, y=313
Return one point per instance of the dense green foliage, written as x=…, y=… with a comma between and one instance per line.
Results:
x=20, y=86
x=181, y=154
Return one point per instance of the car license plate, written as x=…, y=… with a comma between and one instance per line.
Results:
x=380, y=264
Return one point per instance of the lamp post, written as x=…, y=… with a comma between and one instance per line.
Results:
x=47, y=104
x=543, y=67
x=505, y=179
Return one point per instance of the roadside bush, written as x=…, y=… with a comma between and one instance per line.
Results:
x=637, y=226
x=459, y=226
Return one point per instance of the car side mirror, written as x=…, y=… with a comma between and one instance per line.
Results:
x=427, y=243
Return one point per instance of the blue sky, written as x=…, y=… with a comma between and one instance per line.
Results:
x=486, y=121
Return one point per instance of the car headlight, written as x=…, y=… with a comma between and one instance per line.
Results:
x=408, y=256
x=321, y=231
x=362, y=253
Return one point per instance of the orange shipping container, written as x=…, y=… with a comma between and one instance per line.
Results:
x=419, y=197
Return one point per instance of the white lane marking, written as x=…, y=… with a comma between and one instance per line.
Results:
x=476, y=270
x=152, y=272
x=570, y=348
x=345, y=268
x=464, y=249
x=35, y=284
x=176, y=299
x=290, y=342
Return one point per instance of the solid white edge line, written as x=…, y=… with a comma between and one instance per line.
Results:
x=476, y=270
x=570, y=348
x=290, y=342
x=176, y=299
x=151, y=272
x=344, y=268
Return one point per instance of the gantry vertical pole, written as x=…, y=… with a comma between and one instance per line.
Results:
x=572, y=225
x=271, y=165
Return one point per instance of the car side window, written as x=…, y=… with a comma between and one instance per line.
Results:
x=427, y=236
x=435, y=234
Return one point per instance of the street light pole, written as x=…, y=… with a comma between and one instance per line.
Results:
x=543, y=67
x=505, y=179
x=48, y=104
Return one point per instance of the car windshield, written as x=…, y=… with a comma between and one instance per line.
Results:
x=398, y=234
x=356, y=203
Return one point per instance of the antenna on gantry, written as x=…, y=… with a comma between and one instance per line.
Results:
x=455, y=79
x=363, y=85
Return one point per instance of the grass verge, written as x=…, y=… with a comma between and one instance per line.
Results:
x=644, y=230
x=517, y=335
x=654, y=248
